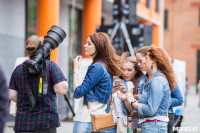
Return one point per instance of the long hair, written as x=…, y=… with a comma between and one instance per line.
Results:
x=106, y=53
x=163, y=62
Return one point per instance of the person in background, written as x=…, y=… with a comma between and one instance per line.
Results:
x=186, y=91
x=3, y=100
x=198, y=86
x=153, y=105
x=96, y=88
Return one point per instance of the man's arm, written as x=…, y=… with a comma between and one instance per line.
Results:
x=13, y=95
x=61, y=87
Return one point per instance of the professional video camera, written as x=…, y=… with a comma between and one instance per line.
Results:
x=51, y=41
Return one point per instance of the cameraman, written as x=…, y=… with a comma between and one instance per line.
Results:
x=43, y=118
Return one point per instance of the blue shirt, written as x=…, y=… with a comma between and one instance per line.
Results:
x=176, y=98
x=97, y=85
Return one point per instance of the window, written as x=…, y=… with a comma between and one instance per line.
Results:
x=31, y=17
x=148, y=3
x=157, y=5
x=166, y=19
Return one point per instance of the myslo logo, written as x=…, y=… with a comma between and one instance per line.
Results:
x=189, y=129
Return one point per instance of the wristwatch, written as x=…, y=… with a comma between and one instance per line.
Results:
x=132, y=103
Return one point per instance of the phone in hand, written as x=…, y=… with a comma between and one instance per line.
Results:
x=117, y=82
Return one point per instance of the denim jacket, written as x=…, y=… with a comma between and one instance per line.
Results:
x=155, y=96
x=176, y=96
x=97, y=85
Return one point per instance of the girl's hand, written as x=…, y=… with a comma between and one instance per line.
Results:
x=122, y=88
x=115, y=88
x=122, y=96
x=130, y=97
x=77, y=62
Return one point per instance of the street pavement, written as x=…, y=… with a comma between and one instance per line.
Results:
x=191, y=122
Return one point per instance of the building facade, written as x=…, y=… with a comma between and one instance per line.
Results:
x=182, y=34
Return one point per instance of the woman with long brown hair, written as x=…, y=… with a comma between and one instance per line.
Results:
x=153, y=105
x=97, y=86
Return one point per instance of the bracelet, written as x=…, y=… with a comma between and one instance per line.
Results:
x=75, y=72
x=133, y=102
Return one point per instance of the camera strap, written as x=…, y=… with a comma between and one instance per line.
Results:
x=43, y=83
x=29, y=92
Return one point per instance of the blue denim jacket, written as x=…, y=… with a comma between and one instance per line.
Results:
x=155, y=96
x=176, y=96
x=97, y=85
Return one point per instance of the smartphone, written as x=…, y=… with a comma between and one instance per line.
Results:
x=117, y=81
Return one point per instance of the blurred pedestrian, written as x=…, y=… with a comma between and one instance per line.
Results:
x=198, y=86
x=97, y=86
x=153, y=105
x=3, y=100
x=186, y=91
x=43, y=117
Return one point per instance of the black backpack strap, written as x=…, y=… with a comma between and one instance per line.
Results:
x=29, y=92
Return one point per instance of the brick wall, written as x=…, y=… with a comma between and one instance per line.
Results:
x=183, y=32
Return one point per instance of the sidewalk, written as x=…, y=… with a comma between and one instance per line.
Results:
x=191, y=117
x=191, y=113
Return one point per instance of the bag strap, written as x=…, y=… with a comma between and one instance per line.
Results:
x=107, y=104
x=29, y=92
x=160, y=75
x=115, y=106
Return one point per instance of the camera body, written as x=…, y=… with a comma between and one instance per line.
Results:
x=51, y=41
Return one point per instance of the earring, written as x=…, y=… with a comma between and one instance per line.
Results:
x=152, y=67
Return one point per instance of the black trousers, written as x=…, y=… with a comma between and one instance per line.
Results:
x=50, y=130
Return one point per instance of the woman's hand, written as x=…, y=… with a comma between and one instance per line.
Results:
x=122, y=96
x=77, y=62
x=122, y=88
x=130, y=97
x=115, y=88
x=127, y=97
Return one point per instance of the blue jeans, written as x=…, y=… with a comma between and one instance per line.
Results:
x=154, y=127
x=111, y=130
x=84, y=127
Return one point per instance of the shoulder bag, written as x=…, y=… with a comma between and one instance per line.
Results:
x=102, y=121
